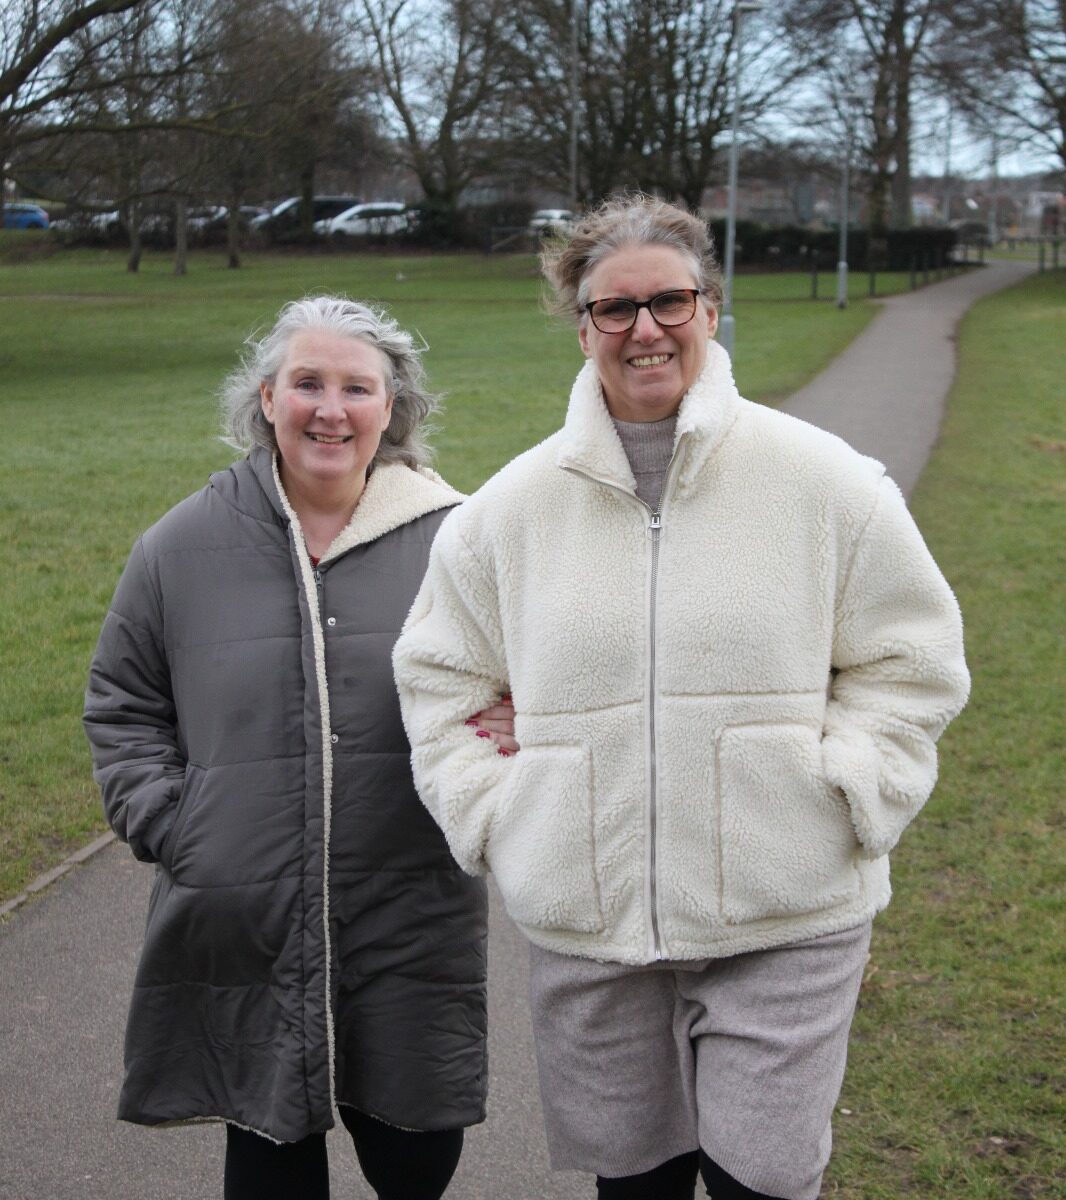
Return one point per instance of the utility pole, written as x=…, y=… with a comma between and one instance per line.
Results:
x=727, y=323
x=850, y=102
x=573, y=105
x=946, y=209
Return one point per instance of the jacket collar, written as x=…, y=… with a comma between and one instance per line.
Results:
x=590, y=444
x=394, y=495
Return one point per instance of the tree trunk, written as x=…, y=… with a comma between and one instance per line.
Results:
x=307, y=200
x=902, y=217
x=133, y=262
x=181, y=236
x=877, y=199
x=233, y=233
x=882, y=144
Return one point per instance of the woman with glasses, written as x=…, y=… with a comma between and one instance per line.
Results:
x=731, y=656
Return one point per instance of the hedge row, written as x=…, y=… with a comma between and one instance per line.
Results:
x=791, y=247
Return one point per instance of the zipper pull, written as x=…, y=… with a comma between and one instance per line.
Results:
x=656, y=521
x=318, y=576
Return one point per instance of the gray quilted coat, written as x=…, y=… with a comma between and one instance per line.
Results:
x=310, y=940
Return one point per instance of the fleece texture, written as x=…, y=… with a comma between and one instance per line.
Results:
x=310, y=940
x=726, y=723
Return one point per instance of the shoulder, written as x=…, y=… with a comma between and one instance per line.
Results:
x=807, y=454
x=518, y=484
x=186, y=521
x=230, y=510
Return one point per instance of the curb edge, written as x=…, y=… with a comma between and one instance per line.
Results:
x=49, y=877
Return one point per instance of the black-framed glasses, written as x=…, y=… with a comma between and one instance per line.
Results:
x=612, y=314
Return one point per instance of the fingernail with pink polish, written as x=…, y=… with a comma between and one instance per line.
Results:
x=504, y=753
x=470, y=722
x=483, y=733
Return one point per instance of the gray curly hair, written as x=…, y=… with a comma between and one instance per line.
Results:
x=404, y=441
x=630, y=220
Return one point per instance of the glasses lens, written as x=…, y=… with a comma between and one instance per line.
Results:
x=612, y=316
x=673, y=308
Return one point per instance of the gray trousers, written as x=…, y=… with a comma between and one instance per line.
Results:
x=742, y=1056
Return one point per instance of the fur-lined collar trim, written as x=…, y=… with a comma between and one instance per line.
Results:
x=393, y=496
x=590, y=443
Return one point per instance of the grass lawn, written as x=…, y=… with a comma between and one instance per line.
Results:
x=109, y=418
x=956, y=1086
x=1029, y=252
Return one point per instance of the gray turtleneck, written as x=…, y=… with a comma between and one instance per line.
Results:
x=648, y=446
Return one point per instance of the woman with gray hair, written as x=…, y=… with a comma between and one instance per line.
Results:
x=311, y=944
x=731, y=655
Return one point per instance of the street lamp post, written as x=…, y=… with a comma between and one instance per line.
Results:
x=726, y=322
x=573, y=105
x=845, y=204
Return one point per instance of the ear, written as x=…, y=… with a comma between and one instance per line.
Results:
x=712, y=320
x=583, y=338
x=266, y=400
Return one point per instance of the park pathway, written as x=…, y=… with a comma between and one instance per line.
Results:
x=885, y=394
x=67, y=957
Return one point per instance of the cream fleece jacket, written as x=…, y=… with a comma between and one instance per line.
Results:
x=726, y=721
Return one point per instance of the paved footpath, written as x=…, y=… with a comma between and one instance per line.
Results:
x=67, y=956
x=885, y=394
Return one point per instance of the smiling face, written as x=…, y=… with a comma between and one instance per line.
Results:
x=646, y=371
x=329, y=406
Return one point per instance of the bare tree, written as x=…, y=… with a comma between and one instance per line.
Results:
x=116, y=93
x=882, y=50
x=33, y=37
x=193, y=29
x=655, y=91
x=1004, y=64
x=443, y=74
x=163, y=98
x=250, y=99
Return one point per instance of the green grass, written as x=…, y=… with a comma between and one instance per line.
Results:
x=109, y=418
x=955, y=1086
x=1027, y=252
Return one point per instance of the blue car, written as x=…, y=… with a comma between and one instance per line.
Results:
x=25, y=216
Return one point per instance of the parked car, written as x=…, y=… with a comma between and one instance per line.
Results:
x=84, y=223
x=25, y=216
x=205, y=216
x=284, y=217
x=207, y=222
x=551, y=222
x=380, y=218
x=108, y=222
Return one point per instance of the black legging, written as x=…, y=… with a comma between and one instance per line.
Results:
x=398, y=1164
x=675, y=1179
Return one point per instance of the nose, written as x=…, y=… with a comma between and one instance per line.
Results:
x=645, y=327
x=331, y=403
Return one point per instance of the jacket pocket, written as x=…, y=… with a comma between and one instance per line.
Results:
x=190, y=787
x=786, y=842
x=540, y=846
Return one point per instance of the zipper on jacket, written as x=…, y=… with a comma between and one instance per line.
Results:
x=655, y=525
x=653, y=531
x=655, y=528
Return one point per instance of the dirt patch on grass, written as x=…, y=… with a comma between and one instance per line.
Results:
x=1054, y=446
